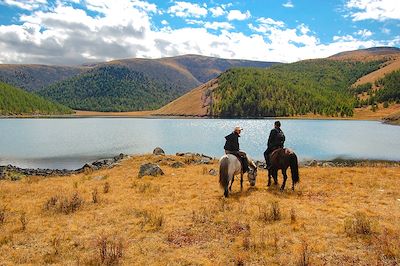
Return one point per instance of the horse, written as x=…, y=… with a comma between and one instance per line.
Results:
x=229, y=166
x=282, y=158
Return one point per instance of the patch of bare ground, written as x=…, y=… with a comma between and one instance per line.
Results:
x=336, y=216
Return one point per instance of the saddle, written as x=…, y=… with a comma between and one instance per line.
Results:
x=285, y=150
x=243, y=161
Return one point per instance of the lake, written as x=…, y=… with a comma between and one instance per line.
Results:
x=70, y=142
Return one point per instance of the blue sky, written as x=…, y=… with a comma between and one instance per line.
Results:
x=82, y=31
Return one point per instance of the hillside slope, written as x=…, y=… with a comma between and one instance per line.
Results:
x=138, y=84
x=14, y=101
x=34, y=77
x=112, y=88
x=312, y=86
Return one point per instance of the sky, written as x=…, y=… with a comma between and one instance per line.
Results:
x=76, y=32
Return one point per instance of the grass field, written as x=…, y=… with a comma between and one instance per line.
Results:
x=336, y=216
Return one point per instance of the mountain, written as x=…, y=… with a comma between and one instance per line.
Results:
x=14, y=101
x=320, y=86
x=34, y=77
x=112, y=88
x=138, y=84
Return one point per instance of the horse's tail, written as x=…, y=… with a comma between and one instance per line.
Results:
x=294, y=167
x=223, y=172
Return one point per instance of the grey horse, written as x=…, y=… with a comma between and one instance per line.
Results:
x=229, y=166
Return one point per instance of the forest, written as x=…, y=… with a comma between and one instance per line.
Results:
x=111, y=88
x=15, y=101
x=318, y=86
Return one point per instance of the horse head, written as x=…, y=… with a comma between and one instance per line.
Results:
x=252, y=174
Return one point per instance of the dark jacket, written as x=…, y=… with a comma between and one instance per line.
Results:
x=232, y=142
x=276, y=138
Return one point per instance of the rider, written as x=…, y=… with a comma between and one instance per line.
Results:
x=232, y=146
x=275, y=141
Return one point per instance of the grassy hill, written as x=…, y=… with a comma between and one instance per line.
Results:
x=321, y=87
x=14, y=101
x=112, y=88
x=336, y=216
x=34, y=77
x=137, y=84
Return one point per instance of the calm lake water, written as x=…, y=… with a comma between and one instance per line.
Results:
x=69, y=143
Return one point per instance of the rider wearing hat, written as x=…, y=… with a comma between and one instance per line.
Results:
x=275, y=141
x=232, y=146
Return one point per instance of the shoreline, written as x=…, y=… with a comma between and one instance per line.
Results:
x=14, y=172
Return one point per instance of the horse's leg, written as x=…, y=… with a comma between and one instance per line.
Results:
x=226, y=192
x=233, y=179
x=284, y=179
x=269, y=177
x=241, y=181
x=275, y=175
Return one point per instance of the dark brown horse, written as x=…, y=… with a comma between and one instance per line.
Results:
x=282, y=158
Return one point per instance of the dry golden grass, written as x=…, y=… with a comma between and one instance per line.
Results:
x=366, y=113
x=181, y=218
x=390, y=66
x=190, y=104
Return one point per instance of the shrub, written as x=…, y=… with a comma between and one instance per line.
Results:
x=2, y=215
x=385, y=104
x=304, y=259
x=23, y=220
x=106, y=187
x=63, y=204
x=109, y=250
x=360, y=224
x=150, y=220
x=95, y=196
x=270, y=215
x=292, y=216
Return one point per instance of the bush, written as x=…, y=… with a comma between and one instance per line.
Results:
x=2, y=215
x=63, y=204
x=360, y=224
x=270, y=215
x=23, y=220
x=106, y=188
x=109, y=250
x=95, y=196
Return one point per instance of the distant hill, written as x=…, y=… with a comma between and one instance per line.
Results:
x=367, y=54
x=34, y=77
x=112, y=88
x=320, y=87
x=14, y=101
x=138, y=84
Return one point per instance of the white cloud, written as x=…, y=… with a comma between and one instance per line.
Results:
x=374, y=9
x=386, y=30
x=24, y=4
x=218, y=25
x=364, y=33
x=238, y=15
x=64, y=34
x=271, y=22
x=266, y=25
x=186, y=9
x=217, y=11
x=345, y=38
x=288, y=4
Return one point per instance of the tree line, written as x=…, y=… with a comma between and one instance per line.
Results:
x=15, y=101
x=318, y=86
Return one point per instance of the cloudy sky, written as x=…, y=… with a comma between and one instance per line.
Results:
x=82, y=31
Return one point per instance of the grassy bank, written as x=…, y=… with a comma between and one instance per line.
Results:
x=336, y=216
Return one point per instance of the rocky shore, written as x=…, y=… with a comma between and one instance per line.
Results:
x=15, y=173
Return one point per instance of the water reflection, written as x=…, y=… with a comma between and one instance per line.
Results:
x=69, y=143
